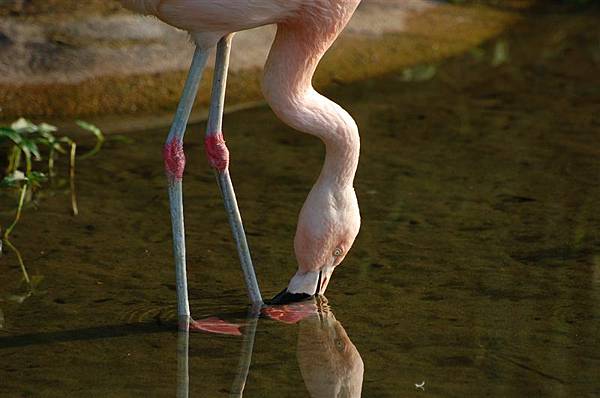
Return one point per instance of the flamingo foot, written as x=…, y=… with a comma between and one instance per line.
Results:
x=292, y=313
x=216, y=326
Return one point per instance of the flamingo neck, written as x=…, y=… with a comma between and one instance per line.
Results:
x=288, y=87
x=339, y=170
x=323, y=118
x=342, y=150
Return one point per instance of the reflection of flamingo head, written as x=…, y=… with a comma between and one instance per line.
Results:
x=330, y=364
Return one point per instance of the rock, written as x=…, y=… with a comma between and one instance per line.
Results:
x=88, y=63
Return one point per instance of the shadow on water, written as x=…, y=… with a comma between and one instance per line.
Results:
x=84, y=334
x=477, y=269
x=329, y=362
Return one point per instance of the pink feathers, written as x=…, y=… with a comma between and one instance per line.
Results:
x=216, y=151
x=174, y=159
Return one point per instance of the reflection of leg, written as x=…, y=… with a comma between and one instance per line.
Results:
x=174, y=164
x=183, y=373
x=219, y=159
x=237, y=388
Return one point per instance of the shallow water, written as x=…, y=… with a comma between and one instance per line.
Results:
x=477, y=269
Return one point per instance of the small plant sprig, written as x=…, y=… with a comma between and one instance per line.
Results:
x=23, y=182
x=24, y=142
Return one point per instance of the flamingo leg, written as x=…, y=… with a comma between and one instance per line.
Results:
x=174, y=158
x=218, y=156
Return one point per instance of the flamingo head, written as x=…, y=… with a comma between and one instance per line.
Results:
x=328, y=224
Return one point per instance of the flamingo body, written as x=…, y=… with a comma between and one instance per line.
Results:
x=329, y=220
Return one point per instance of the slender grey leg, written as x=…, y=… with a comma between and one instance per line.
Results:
x=175, y=164
x=237, y=388
x=218, y=155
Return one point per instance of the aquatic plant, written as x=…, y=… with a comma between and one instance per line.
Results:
x=23, y=140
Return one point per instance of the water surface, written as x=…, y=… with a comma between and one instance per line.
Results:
x=477, y=269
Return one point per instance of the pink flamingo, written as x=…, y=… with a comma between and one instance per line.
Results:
x=329, y=220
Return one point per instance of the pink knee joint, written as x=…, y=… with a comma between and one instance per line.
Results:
x=174, y=159
x=216, y=151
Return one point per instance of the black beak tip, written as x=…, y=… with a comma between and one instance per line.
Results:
x=285, y=297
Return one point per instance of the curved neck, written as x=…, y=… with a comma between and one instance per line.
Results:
x=323, y=118
x=339, y=167
x=294, y=57
x=342, y=146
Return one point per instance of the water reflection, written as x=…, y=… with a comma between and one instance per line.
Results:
x=329, y=362
x=183, y=349
x=237, y=388
x=183, y=363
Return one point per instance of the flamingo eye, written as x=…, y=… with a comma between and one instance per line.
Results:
x=338, y=252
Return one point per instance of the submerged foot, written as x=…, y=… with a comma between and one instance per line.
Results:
x=291, y=313
x=211, y=325
x=216, y=326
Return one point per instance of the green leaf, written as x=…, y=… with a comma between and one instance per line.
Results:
x=14, y=179
x=8, y=133
x=91, y=128
x=5, y=130
x=59, y=148
x=51, y=141
x=30, y=148
x=36, y=178
x=24, y=126
x=99, y=138
x=25, y=144
x=46, y=138
x=66, y=140
x=45, y=128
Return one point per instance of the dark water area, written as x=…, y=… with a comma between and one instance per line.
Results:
x=476, y=271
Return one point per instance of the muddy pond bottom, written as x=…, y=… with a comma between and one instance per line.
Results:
x=476, y=271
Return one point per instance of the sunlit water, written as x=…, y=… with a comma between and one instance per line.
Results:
x=477, y=269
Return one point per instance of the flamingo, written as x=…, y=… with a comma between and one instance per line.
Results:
x=329, y=220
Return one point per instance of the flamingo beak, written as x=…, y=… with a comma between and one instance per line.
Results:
x=285, y=297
